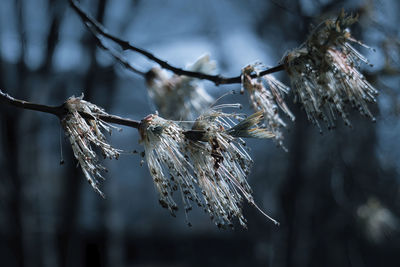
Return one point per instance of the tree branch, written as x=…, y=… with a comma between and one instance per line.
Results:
x=60, y=111
x=125, y=45
x=55, y=110
x=118, y=57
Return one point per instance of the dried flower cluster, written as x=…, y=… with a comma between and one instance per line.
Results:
x=180, y=97
x=378, y=221
x=207, y=163
x=83, y=134
x=165, y=146
x=325, y=74
x=267, y=99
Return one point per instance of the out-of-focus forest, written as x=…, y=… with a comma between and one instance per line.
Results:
x=336, y=194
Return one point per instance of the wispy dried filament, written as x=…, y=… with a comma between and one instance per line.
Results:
x=84, y=134
x=325, y=74
x=207, y=163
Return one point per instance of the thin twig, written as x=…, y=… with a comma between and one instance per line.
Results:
x=61, y=111
x=125, y=45
x=118, y=120
x=55, y=110
x=119, y=58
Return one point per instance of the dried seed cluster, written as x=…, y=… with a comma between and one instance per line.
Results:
x=325, y=74
x=207, y=163
x=165, y=146
x=180, y=97
x=267, y=99
x=83, y=134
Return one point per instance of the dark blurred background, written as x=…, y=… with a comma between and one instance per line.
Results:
x=336, y=195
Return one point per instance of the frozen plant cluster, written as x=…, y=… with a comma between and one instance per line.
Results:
x=206, y=163
x=325, y=75
x=267, y=94
x=180, y=97
x=84, y=134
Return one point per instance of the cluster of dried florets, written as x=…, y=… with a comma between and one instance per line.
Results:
x=325, y=74
x=267, y=99
x=165, y=146
x=207, y=162
x=379, y=222
x=180, y=97
x=86, y=132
